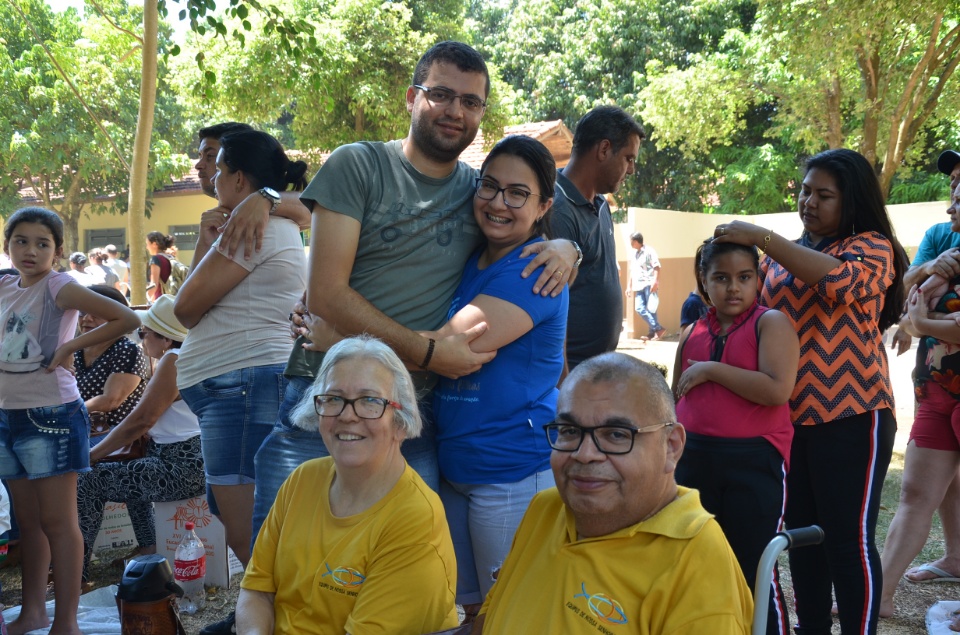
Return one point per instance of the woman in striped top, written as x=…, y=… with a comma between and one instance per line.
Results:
x=841, y=285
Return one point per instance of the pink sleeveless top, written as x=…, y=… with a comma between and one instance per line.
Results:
x=712, y=410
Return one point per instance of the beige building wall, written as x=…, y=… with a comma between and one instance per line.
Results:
x=676, y=235
x=170, y=212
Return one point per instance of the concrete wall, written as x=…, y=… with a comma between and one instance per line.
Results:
x=676, y=235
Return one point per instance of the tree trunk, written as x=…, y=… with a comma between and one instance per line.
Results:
x=869, y=73
x=834, y=97
x=71, y=229
x=70, y=211
x=139, y=166
x=359, y=123
x=920, y=96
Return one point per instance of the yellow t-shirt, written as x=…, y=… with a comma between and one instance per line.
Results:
x=670, y=574
x=390, y=569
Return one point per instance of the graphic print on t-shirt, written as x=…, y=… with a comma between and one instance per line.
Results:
x=19, y=350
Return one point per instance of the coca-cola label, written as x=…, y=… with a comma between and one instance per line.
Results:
x=190, y=569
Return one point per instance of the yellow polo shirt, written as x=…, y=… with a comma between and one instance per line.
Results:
x=670, y=574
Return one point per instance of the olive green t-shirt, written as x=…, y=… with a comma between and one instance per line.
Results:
x=416, y=234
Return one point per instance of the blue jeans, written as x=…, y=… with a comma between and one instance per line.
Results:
x=483, y=519
x=640, y=300
x=45, y=441
x=287, y=447
x=236, y=412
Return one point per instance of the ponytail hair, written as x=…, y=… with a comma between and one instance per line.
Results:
x=161, y=240
x=262, y=160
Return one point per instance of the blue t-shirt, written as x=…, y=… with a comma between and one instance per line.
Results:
x=489, y=423
x=692, y=310
x=936, y=240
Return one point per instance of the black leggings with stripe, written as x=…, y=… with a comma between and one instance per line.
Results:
x=836, y=475
x=742, y=482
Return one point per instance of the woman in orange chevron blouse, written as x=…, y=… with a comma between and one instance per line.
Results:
x=840, y=284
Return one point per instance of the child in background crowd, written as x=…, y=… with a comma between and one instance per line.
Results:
x=733, y=376
x=43, y=423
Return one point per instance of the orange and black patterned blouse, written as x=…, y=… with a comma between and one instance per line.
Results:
x=843, y=366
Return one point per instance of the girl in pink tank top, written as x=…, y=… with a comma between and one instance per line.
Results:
x=734, y=373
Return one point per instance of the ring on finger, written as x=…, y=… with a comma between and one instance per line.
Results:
x=723, y=230
x=558, y=273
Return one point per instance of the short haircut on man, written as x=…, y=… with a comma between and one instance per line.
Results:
x=636, y=236
x=463, y=56
x=619, y=367
x=605, y=122
x=220, y=129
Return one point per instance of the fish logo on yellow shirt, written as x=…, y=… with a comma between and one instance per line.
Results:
x=344, y=576
x=603, y=607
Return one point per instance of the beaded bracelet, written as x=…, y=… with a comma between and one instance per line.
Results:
x=430, y=347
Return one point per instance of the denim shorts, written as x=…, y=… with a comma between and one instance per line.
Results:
x=236, y=410
x=42, y=442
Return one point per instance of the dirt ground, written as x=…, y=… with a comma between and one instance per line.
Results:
x=912, y=600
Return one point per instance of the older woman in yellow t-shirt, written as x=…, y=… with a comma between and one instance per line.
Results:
x=355, y=541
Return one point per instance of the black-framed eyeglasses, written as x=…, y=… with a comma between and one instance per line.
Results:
x=365, y=407
x=143, y=332
x=613, y=439
x=514, y=197
x=441, y=97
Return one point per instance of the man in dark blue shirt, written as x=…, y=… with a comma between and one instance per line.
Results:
x=605, y=146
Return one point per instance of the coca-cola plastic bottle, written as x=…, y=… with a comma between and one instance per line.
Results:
x=190, y=570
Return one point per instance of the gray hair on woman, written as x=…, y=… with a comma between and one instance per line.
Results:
x=407, y=417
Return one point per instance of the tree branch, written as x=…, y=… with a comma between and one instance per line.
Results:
x=104, y=15
x=73, y=88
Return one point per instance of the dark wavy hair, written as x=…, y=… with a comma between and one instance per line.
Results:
x=862, y=209
x=40, y=215
x=218, y=130
x=709, y=250
x=262, y=160
x=161, y=240
x=538, y=159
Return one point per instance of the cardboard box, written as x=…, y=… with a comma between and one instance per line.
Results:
x=171, y=519
x=116, y=532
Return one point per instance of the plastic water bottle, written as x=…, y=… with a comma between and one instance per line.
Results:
x=190, y=570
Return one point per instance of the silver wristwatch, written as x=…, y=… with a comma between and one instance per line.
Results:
x=271, y=195
x=579, y=254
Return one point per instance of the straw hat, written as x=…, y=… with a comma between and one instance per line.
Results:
x=160, y=318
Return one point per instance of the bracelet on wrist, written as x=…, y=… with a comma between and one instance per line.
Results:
x=579, y=254
x=429, y=355
x=766, y=242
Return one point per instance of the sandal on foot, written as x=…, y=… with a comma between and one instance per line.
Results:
x=939, y=574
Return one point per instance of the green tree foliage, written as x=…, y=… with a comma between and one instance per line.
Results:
x=873, y=76
x=348, y=87
x=563, y=57
x=53, y=147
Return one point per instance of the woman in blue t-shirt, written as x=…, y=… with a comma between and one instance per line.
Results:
x=493, y=454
